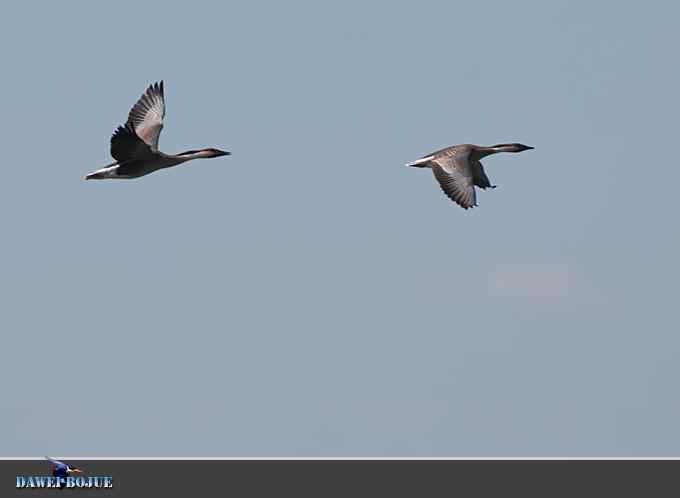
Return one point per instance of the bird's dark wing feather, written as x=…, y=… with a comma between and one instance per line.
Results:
x=479, y=175
x=126, y=145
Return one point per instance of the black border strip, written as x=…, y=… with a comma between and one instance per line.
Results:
x=351, y=478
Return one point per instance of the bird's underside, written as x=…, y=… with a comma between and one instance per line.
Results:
x=124, y=171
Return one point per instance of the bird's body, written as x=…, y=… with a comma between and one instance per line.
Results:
x=458, y=169
x=134, y=146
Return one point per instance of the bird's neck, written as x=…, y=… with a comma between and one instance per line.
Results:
x=495, y=149
x=187, y=156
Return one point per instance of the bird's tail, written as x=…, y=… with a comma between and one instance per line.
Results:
x=104, y=172
x=420, y=163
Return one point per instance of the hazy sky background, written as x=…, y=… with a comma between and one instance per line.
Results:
x=310, y=295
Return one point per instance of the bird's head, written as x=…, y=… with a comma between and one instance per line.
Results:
x=211, y=152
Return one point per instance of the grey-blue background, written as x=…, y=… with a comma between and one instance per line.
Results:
x=310, y=295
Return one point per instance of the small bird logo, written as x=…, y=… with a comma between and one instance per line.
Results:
x=62, y=470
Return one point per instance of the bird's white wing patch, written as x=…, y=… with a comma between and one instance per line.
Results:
x=423, y=160
x=455, y=178
x=146, y=116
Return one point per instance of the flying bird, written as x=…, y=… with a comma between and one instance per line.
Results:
x=458, y=169
x=134, y=146
x=61, y=469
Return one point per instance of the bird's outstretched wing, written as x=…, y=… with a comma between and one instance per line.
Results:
x=455, y=177
x=146, y=116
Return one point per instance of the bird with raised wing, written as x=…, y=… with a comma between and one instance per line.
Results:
x=134, y=146
x=62, y=470
x=458, y=169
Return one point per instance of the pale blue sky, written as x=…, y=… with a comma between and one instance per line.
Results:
x=310, y=295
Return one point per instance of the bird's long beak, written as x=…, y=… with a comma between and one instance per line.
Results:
x=77, y=471
x=222, y=153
